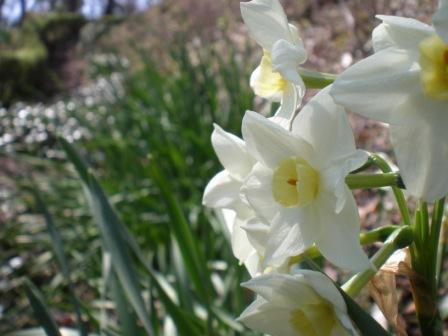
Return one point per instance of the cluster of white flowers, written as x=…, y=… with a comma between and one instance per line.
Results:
x=283, y=188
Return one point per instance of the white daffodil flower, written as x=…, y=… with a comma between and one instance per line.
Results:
x=223, y=190
x=247, y=243
x=298, y=184
x=305, y=303
x=277, y=77
x=405, y=83
x=248, y=234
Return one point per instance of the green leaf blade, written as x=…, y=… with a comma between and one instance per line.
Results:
x=40, y=309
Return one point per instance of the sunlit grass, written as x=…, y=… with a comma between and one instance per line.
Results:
x=150, y=149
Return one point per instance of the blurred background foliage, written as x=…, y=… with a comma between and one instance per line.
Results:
x=137, y=89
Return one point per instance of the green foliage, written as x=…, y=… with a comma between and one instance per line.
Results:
x=150, y=149
x=40, y=310
x=25, y=68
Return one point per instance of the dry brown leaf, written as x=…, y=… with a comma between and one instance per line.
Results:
x=383, y=290
x=399, y=263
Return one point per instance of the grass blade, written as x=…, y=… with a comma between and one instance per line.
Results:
x=126, y=316
x=187, y=324
x=188, y=246
x=58, y=248
x=40, y=309
x=113, y=240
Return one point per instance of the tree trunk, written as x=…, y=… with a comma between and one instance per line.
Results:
x=110, y=6
x=73, y=5
x=22, y=11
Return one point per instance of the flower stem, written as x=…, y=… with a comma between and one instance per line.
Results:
x=400, y=238
x=382, y=164
x=315, y=79
x=363, y=181
x=436, y=226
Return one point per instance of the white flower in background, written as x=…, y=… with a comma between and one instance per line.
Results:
x=298, y=184
x=305, y=303
x=405, y=83
x=277, y=77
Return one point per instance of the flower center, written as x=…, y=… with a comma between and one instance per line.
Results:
x=268, y=83
x=434, y=63
x=294, y=183
x=314, y=320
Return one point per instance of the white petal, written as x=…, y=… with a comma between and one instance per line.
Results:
x=341, y=329
x=257, y=189
x=291, y=99
x=284, y=290
x=232, y=153
x=339, y=237
x=241, y=247
x=257, y=233
x=324, y=287
x=327, y=289
x=399, y=32
x=293, y=231
x=377, y=84
x=295, y=36
x=222, y=191
x=286, y=58
x=266, y=21
x=269, y=143
x=333, y=178
x=420, y=142
x=325, y=126
x=440, y=20
x=253, y=265
x=226, y=217
x=267, y=318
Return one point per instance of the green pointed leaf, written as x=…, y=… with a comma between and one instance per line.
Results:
x=365, y=323
x=115, y=234
x=112, y=238
x=126, y=316
x=188, y=245
x=186, y=323
x=58, y=248
x=40, y=309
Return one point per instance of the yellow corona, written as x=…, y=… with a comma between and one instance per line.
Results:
x=268, y=82
x=314, y=320
x=434, y=63
x=294, y=183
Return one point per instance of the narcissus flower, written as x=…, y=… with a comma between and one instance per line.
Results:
x=405, y=83
x=298, y=184
x=248, y=238
x=277, y=77
x=248, y=233
x=305, y=303
x=223, y=190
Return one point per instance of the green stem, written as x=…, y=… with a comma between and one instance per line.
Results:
x=363, y=181
x=441, y=252
x=379, y=162
x=400, y=238
x=423, y=208
x=436, y=226
x=425, y=264
x=315, y=79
